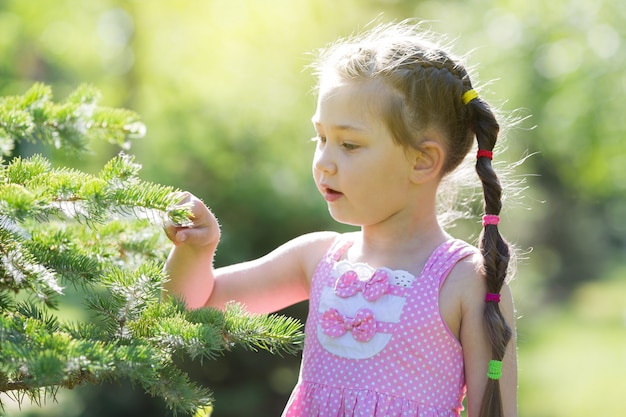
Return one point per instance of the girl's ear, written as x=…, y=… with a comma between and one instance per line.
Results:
x=427, y=161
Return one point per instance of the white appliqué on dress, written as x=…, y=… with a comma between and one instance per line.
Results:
x=357, y=313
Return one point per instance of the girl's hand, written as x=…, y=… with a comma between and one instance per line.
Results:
x=203, y=231
x=190, y=263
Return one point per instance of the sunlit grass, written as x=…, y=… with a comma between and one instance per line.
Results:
x=573, y=360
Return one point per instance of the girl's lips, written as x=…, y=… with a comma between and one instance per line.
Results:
x=331, y=195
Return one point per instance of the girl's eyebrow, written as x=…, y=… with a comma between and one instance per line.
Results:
x=342, y=127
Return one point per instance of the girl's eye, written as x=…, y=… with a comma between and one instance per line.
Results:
x=349, y=146
x=319, y=139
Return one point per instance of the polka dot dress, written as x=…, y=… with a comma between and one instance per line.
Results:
x=376, y=344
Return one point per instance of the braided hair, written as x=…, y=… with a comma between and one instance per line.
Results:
x=425, y=86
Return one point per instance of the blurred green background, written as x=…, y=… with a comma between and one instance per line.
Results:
x=223, y=90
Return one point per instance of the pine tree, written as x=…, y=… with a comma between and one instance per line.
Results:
x=99, y=237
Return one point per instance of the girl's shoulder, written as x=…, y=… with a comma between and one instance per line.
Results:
x=466, y=279
x=322, y=241
x=311, y=248
x=467, y=283
x=315, y=240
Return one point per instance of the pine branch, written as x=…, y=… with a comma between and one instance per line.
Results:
x=70, y=125
x=100, y=234
x=273, y=333
x=32, y=188
x=19, y=269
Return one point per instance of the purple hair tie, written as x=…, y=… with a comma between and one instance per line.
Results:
x=492, y=298
x=491, y=219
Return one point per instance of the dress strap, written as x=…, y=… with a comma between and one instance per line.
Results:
x=337, y=249
x=446, y=256
x=457, y=251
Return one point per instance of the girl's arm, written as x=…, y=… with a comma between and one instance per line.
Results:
x=265, y=285
x=276, y=280
x=462, y=303
x=477, y=349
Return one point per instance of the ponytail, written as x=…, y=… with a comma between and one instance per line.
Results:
x=494, y=248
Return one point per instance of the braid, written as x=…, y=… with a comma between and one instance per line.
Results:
x=494, y=249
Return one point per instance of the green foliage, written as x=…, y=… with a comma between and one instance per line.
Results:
x=274, y=333
x=102, y=235
x=70, y=125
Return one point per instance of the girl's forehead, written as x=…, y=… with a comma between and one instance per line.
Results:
x=359, y=99
x=354, y=86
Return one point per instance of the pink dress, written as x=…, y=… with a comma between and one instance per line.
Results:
x=376, y=344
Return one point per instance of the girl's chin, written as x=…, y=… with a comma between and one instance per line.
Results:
x=343, y=219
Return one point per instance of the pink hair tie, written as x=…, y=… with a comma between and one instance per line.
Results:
x=485, y=153
x=491, y=219
x=492, y=298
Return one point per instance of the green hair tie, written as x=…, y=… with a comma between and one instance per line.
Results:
x=495, y=369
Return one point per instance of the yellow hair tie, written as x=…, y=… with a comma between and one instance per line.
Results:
x=469, y=95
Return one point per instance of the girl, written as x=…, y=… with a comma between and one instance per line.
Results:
x=403, y=319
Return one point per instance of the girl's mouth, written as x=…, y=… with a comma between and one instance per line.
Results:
x=331, y=195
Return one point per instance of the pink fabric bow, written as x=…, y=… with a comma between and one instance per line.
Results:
x=348, y=284
x=362, y=325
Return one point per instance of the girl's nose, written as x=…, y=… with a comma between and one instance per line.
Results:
x=323, y=161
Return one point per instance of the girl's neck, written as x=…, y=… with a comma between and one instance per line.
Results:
x=398, y=247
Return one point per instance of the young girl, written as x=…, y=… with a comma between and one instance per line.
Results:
x=404, y=320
